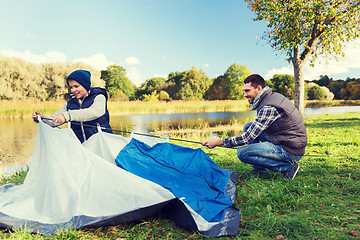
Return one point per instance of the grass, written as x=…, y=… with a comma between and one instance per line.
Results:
x=332, y=103
x=24, y=108
x=322, y=202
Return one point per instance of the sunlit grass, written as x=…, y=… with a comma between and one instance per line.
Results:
x=331, y=103
x=139, y=107
x=24, y=108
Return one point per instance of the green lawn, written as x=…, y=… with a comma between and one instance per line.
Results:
x=322, y=202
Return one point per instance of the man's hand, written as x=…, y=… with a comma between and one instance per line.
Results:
x=211, y=143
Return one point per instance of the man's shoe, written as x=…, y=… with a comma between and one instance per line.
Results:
x=291, y=173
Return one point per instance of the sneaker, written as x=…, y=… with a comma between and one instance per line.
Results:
x=291, y=173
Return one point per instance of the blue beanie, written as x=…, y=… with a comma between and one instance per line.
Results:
x=81, y=76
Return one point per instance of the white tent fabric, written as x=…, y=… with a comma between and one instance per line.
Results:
x=73, y=185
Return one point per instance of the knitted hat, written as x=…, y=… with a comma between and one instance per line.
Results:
x=82, y=77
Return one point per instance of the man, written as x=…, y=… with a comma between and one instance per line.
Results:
x=277, y=138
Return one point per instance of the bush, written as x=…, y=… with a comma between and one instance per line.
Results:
x=315, y=93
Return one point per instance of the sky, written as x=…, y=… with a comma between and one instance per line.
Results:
x=151, y=38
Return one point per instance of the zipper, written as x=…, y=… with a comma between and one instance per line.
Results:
x=81, y=123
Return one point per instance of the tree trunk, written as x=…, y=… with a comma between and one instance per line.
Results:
x=299, y=95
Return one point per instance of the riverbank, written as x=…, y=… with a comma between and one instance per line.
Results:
x=24, y=109
x=322, y=202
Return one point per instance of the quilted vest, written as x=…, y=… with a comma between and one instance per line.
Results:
x=288, y=131
x=84, y=130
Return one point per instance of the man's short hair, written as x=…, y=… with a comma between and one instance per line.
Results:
x=255, y=80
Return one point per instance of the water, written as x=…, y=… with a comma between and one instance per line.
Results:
x=331, y=110
x=150, y=122
x=18, y=135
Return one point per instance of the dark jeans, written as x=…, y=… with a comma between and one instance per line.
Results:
x=264, y=155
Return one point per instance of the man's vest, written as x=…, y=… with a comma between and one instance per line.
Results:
x=84, y=130
x=288, y=131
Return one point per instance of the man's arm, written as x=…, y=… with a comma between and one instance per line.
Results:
x=266, y=116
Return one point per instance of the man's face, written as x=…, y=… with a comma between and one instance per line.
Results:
x=250, y=92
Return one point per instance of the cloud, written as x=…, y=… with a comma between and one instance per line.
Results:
x=161, y=76
x=325, y=66
x=132, y=61
x=29, y=35
x=282, y=70
x=206, y=65
x=49, y=57
x=98, y=61
x=135, y=76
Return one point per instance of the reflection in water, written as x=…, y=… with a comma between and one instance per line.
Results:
x=151, y=122
x=17, y=141
x=17, y=136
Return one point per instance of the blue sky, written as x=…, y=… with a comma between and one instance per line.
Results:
x=150, y=37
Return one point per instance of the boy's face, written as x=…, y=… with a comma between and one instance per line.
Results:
x=77, y=89
x=250, y=92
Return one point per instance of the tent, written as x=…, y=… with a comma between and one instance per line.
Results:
x=110, y=179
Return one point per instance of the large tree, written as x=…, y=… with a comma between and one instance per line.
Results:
x=190, y=85
x=117, y=83
x=229, y=85
x=284, y=84
x=234, y=78
x=150, y=85
x=305, y=29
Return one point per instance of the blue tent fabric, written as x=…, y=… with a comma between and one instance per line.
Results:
x=189, y=174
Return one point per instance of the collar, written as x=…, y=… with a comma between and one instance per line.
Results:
x=256, y=101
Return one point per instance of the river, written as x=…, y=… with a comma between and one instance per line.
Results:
x=18, y=135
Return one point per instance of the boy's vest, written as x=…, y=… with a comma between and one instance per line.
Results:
x=84, y=130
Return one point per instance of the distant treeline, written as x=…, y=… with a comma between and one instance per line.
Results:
x=22, y=80
x=348, y=89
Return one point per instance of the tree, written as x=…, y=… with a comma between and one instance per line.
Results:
x=353, y=89
x=327, y=94
x=20, y=80
x=315, y=93
x=229, y=85
x=234, y=77
x=164, y=96
x=154, y=96
x=284, y=84
x=117, y=84
x=150, y=85
x=190, y=85
x=305, y=29
x=336, y=87
x=216, y=90
x=54, y=81
x=323, y=81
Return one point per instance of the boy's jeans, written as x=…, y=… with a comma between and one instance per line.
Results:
x=264, y=155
